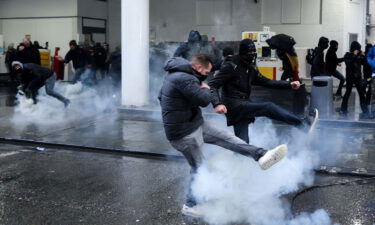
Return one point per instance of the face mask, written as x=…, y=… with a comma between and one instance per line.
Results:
x=249, y=58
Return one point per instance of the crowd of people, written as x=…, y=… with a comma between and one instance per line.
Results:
x=94, y=60
x=89, y=61
x=358, y=71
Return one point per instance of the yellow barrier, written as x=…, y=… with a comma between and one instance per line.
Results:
x=45, y=58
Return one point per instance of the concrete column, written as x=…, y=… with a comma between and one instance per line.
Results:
x=135, y=52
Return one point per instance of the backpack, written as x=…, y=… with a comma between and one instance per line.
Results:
x=310, y=55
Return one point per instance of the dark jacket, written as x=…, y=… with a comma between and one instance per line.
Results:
x=191, y=47
x=29, y=55
x=353, y=65
x=287, y=67
x=235, y=79
x=318, y=66
x=36, y=75
x=115, y=61
x=10, y=56
x=181, y=98
x=100, y=57
x=195, y=46
x=354, y=62
x=332, y=61
x=78, y=56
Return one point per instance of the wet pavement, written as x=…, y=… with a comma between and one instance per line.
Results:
x=62, y=186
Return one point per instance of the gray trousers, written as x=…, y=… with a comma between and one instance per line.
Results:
x=191, y=145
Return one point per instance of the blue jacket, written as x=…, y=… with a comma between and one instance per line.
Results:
x=371, y=58
x=181, y=98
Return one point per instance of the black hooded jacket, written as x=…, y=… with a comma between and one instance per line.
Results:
x=318, y=66
x=181, y=98
x=331, y=59
x=195, y=46
x=354, y=62
x=235, y=79
x=191, y=47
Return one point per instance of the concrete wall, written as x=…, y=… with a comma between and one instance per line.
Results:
x=54, y=21
x=172, y=20
x=92, y=8
x=114, y=23
x=37, y=8
x=371, y=35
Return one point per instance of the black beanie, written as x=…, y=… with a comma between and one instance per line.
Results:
x=228, y=51
x=246, y=46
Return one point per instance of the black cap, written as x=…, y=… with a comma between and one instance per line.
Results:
x=246, y=46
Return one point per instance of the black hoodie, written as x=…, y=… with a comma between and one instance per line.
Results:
x=331, y=58
x=354, y=62
x=318, y=66
x=181, y=98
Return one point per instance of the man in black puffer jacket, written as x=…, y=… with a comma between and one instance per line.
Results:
x=181, y=96
x=235, y=80
x=354, y=61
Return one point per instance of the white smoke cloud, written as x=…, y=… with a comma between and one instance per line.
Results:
x=85, y=102
x=233, y=189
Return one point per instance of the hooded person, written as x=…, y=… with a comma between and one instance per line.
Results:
x=290, y=64
x=284, y=45
x=331, y=64
x=33, y=77
x=182, y=95
x=318, y=65
x=354, y=61
x=235, y=79
x=196, y=45
x=191, y=47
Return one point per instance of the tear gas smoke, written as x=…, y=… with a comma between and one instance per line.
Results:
x=233, y=189
x=86, y=102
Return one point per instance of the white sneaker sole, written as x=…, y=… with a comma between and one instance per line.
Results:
x=273, y=156
x=191, y=212
x=313, y=124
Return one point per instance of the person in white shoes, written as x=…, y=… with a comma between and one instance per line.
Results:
x=181, y=96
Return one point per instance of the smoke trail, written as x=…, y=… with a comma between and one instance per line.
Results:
x=233, y=189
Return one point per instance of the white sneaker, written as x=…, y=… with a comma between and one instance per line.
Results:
x=191, y=211
x=315, y=119
x=273, y=156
